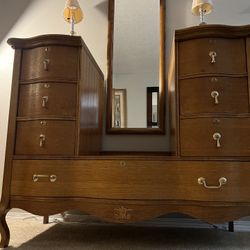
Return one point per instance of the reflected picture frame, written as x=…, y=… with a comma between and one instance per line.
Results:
x=119, y=108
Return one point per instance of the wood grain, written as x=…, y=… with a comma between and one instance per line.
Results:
x=59, y=137
x=197, y=136
x=114, y=179
x=195, y=95
x=62, y=63
x=61, y=100
x=194, y=56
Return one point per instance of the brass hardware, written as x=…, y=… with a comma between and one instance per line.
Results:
x=217, y=137
x=216, y=121
x=212, y=41
x=52, y=177
x=214, y=79
x=122, y=213
x=46, y=64
x=46, y=85
x=45, y=100
x=213, y=55
x=42, y=139
x=215, y=95
x=123, y=164
x=43, y=123
x=202, y=181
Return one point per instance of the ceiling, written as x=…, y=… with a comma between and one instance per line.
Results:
x=136, y=36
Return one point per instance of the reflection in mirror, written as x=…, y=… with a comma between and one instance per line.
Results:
x=136, y=66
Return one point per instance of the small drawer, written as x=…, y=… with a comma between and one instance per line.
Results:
x=215, y=55
x=53, y=62
x=214, y=95
x=48, y=99
x=45, y=137
x=215, y=137
x=136, y=180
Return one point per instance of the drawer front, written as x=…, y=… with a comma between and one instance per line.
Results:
x=45, y=137
x=47, y=99
x=215, y=137
x=214, y=95
x=215, y=55
x=53, y=62
x=132, y=179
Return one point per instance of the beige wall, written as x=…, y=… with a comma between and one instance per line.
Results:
x=36, y=17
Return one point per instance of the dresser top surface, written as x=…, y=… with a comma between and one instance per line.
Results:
x=46, y=40
x=212, y=30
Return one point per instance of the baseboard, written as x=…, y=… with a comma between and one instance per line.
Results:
x=239, y=225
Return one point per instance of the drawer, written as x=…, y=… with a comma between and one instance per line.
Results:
x=215, y=137
x=45, y=137
x=53, y=62
x=196, y=58
x=48, y=99
x=214, y=95
x=132, y=179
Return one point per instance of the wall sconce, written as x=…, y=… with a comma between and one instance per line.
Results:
x=201, y=8
x=72, y=14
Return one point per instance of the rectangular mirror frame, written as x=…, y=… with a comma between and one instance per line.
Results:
x=162, y=77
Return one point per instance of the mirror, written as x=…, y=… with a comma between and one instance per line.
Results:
x=136, y=67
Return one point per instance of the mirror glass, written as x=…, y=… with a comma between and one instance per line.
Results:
x=136, y=63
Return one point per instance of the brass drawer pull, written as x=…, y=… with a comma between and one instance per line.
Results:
x=46, y=64
x=45, y=100
x=215, y=95
x=214, y=79
x=42, y=140
x=202, y=181
x=46, y=85
x=52, y=177
x=217, y=137
x=213, y=55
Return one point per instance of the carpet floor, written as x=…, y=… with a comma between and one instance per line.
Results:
x=32, y=234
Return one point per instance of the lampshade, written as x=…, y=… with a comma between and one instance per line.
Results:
x=73, y=11
x=206, y=5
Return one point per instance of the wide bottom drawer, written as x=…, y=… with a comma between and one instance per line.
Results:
x=132, y=179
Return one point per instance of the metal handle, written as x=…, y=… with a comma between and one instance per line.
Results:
x=52, y=177
x=213, y=55
x=46, y=85
x=215, y=95
x=46, y=64
x=45, y=100
x=42, y=139
x=217, y=137
x=202, y=181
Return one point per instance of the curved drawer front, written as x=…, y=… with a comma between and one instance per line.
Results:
x=132, y=179
x=215, y=55
x=215, y=137
x=214, y=95
x=53, y=62
x=48, y=99
x=45, y=137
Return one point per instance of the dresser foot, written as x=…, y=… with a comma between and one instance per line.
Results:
x=46, y=219
x=231, y=226
x=4, y=230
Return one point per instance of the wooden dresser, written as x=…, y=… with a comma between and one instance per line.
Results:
x=212, y=92
x=53, y=159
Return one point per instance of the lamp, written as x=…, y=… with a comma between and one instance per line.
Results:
x=201, y=8
x=72, y=14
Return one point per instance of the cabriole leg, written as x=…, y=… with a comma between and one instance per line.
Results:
x=4, y=230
